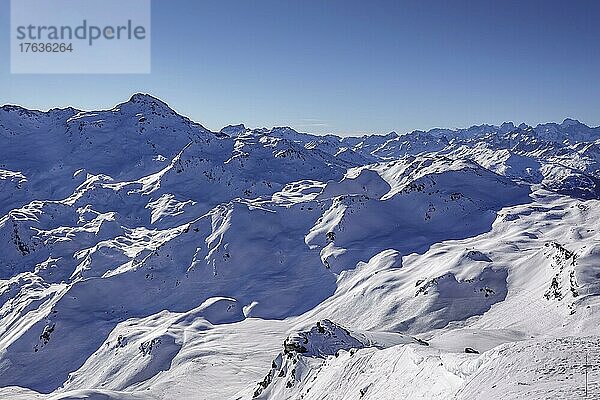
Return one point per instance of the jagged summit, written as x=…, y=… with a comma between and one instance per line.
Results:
x=234, y=130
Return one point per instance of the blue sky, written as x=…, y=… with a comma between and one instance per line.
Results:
x=350, y=66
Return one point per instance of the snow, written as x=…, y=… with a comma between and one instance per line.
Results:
x=196, y=264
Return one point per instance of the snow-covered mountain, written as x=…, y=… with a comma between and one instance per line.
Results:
x=143, y=256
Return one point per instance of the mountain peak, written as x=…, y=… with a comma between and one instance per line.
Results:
x=283, y=129
x=571, y=122
x=507, y=127
x=144, y=98
x=234, y=130
x=140, y=102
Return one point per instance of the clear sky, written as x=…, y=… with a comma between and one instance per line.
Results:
x=350, y=66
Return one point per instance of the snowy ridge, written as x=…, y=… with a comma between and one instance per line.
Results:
x=305, y=352
x=143, y=256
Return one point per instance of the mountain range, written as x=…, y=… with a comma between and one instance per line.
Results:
x=143, y=256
